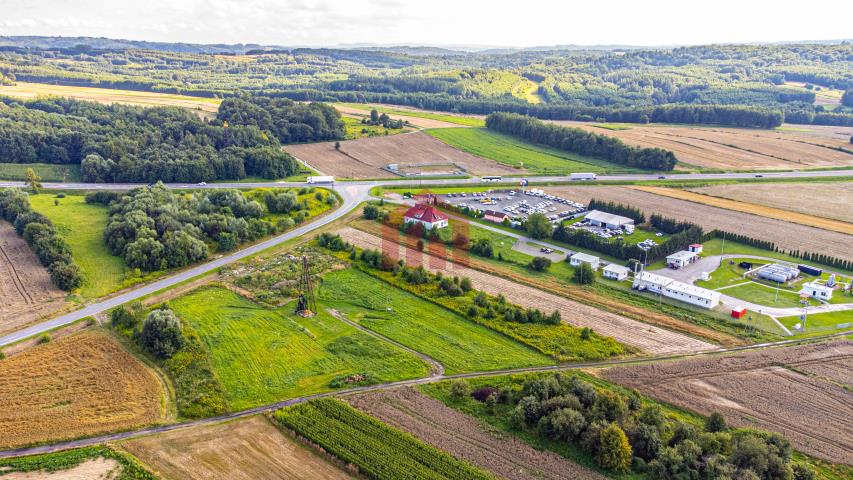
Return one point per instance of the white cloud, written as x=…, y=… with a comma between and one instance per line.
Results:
x=473, y=22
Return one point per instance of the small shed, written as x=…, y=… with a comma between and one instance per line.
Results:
x=738, y=312
x=616, y=272
x=577, y=259
x=695, y=248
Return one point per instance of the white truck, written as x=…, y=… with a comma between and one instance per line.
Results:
x=321, y=179
x=582, y=176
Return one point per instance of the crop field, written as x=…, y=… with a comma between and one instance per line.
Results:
x=87, y=463
x=380, y=452
x=464, y=437
x=80, y=385
x=648, y=338
x=26, y=291
x=262, y=355
x=47, y=171
x=824, y=96
x=109, y=96
x=417, y=117
x=518, y=154
x=740, y=149
x=240, y=450
x=829, y=200
x=82, y=225
x=746, y=207
x=788, y=236
x=795, y=391
x=458, y=344
x=364, y=158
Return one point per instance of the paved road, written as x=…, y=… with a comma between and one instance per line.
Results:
x=85, y=442
x=352, y=195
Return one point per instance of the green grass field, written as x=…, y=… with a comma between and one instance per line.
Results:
x=459, y=120
x=729, y=273
x=47, y=171
x=82, y=225
x=826, y=320
x=764, y=295
x=355, y=129
x=263, y=355
x=510, y=151
x=458, y=344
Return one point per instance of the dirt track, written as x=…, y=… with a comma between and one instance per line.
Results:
x=464, y=437
x=764, y=389
x=649, y=338
x=363, y=158
x=788, y=236
x=793, y=147
x=26, y=291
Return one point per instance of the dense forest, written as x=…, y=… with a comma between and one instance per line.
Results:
x=116, y=143
x=581, y=142
x=743, y=85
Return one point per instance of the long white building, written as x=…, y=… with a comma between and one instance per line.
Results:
x=668, y=287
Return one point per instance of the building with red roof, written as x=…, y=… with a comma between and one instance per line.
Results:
x=427, y=215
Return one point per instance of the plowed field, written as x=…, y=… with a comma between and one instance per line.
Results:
x=649, y=338
x=363, y=158
x=76, y=386
x=788, y=236
x=464, y=437
x=26, y=291
x=764, y=389
x=791, y=147
x=245, y=449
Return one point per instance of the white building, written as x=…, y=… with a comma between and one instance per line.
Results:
x=616, y=272
x=426, y=215
x=579, y=258
x=701, y=297
x=598, y=218
x=817, y=290
x=681, y=259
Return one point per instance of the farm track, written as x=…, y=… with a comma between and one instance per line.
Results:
x=16, y=278
x=275, y=406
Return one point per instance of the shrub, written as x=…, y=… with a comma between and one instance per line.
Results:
x=481, y=394
x=123, y=318
x=584, y=275
x=44, y=338
x=460, y=240
x=716, y=422
x=460, y=389
x=66, y=276
x=483, y=247
x=614, y=451
x=465, y=284
x=370, y=212
x=539, y=264
x=161, y=334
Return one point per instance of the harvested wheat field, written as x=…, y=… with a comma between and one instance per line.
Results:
x=760, y=210
x=80, y=385
x=648, y=338
x=786, y=235
x=26, y=291
x=95, y=469
x=244, y=449
x=363, y=158
x=763, y=389
x=465, y=438
x=29, y=91
x=829, y=200
x=416, y=121
x=790, y=147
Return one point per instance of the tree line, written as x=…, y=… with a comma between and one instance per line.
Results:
x=581, y=142
x=40, y=234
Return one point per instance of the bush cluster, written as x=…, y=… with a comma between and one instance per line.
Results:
x=40, y=234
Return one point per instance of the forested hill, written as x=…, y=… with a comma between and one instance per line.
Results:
x=118, y=143
x=800, y=83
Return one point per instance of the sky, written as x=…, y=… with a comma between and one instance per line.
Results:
x=431, y=22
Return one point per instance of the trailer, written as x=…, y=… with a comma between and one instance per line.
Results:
x=321, y=179
x=582, y=176
x=808, y=269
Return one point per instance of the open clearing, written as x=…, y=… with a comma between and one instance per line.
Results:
x=364, y=158
x=418, y=121
x=786, y=235
x=649, y=338
x=28, y=91
x=418, y=117
x=262, y=355
x=245, y=449
x=794, y=391
x=738, y=206
x=832, y=200
x=26, y=291
x=789, y=147
x=47, y=171
x=462, y=436
x=76, y=386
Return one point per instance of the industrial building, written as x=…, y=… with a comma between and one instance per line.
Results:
x=817, y=290
x=616, y=272
x=668, y=287
x=426, y=215
x=778, y=273
x=577, y=259
x=681, y=259
x=598, y=218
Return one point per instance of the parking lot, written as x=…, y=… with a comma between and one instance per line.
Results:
x=518, y=204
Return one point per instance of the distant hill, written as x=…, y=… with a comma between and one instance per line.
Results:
x=100, y=43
